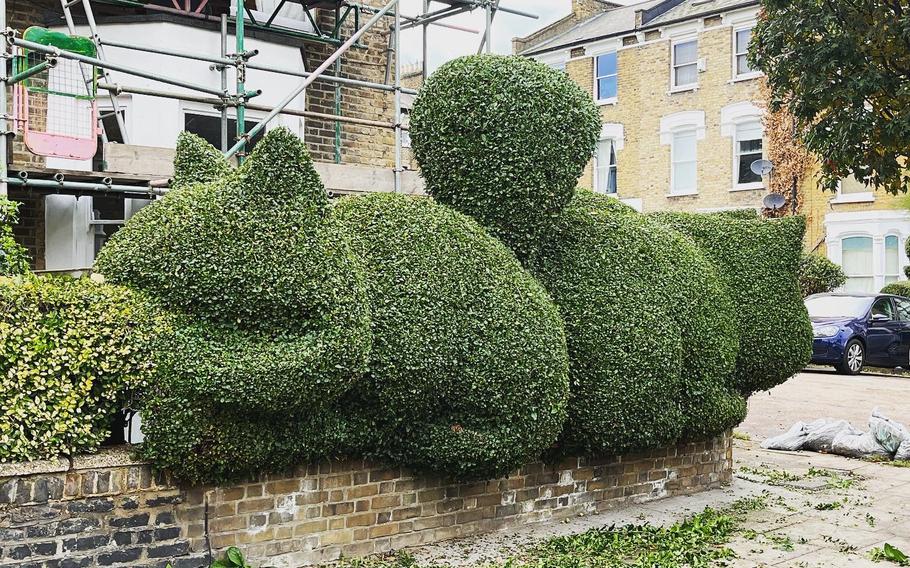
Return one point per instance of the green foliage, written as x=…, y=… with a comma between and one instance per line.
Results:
x=817, y=274
x=504, y=140
x=273, y=314
x=13, y=257
x=72, y=352
x=468, y=373
x=848, y=90
x=889, y=553
x=649, y=329
x=698, y=541
x=758, y=260
x=901, y=288
x=197, y=161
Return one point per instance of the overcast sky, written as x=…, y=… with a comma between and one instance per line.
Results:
x=446, y=44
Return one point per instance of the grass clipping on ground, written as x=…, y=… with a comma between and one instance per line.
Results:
x=698, y=541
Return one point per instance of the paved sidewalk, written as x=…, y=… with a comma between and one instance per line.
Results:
x=813, y=395
x=800, y=527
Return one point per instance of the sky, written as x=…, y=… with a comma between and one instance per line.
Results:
x=446, y=44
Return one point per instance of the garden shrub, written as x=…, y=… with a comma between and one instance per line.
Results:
x=901, y=288
x=72, y=353
x=197, y=161
x=759, y=261
x=817, y=274
x=468, y=373
x=13, y=256
x=272, y=306
x=504, y=140
x=649, y=330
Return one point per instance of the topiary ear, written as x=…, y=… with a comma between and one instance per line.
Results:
x=197, y=161
x=280, y=168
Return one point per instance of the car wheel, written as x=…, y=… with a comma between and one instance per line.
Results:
x=853, y=359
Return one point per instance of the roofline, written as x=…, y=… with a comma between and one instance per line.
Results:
x=659, y=9
x=702, y=15
x=584, y=41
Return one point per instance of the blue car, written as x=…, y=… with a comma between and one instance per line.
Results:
x=854, y=330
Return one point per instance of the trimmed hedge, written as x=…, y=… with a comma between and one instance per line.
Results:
x=504, y=140
x=13, y=256
x=468, y=373
x=649, y=330
x=272, y=305
x=759, y=261
x=72, y=352
x=901, y=288
x=197, y=161
x=817, y=274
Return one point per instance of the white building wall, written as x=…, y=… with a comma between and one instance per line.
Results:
x=874, y=224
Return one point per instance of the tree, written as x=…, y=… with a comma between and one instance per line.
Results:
x=842, y=68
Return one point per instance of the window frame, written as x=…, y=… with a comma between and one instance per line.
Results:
x=897, y=274
x=737, y=154
x=597, y=98
x=674, y=66
x=869, y=276
x=736, y=75
x=858, y=197
x=253, y=117
x=611, y=168
x=693, y=131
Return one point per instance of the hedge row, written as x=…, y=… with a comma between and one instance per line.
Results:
x=13, y=257
x=758, y=261
x=504, y=140
x=273, y=319
x=468, y=373
x=649, y=330
x=399, y=328
x=72, y=354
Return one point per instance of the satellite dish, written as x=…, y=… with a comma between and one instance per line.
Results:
x=761, y=167
x=773, y=201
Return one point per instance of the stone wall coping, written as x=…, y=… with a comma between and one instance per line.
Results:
x=106, y=458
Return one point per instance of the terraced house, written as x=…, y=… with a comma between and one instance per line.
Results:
x=683, y=123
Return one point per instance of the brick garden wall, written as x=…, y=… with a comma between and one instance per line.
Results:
x=107, y=510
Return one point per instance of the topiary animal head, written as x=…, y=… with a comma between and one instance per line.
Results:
x=504, y=139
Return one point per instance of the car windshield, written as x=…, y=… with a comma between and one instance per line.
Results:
x=838, y=306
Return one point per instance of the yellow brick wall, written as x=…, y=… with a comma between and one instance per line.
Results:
x=643, y=165
x=815, y=204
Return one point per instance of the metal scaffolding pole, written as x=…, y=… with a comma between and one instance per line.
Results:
x=114, y=66
x=397, y=54
x=309, y=80
x=240, y=63
x=425, y=66
x=4, y=108
x=223, y=67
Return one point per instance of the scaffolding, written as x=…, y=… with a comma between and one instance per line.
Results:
x=241, y=60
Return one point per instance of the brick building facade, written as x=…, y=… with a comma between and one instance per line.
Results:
x=673, y=101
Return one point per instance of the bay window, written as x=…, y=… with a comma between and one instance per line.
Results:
x=892, y=259
x=857, y=261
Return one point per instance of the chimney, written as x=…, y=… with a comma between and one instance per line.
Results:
x=584, y=9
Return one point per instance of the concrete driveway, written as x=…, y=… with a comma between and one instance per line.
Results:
x=812, y=395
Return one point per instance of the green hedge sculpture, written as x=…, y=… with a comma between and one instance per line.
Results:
x=72, y=353
x=504, y=140
x=13, y=256
x=758, y=261
x=649, y=329
x=817, y=275
x=273, y=306
x=468, y=373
